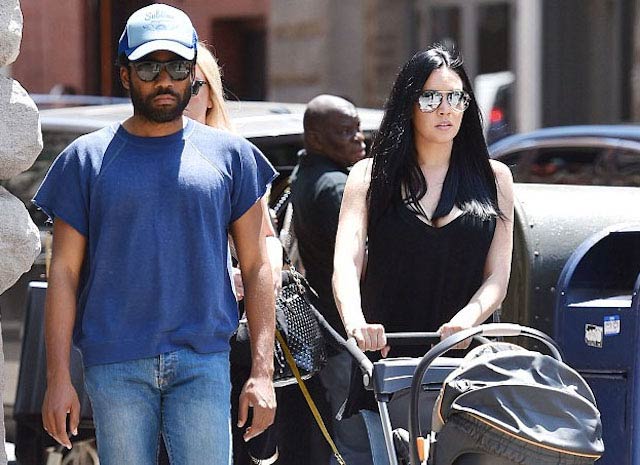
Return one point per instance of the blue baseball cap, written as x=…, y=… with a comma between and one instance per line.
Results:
x=158, y=27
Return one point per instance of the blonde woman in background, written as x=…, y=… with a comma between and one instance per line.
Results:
x=207, y=103
x=207, y=106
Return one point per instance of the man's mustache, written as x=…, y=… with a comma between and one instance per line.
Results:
x=165, y=92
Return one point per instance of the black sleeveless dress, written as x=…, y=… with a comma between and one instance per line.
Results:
x=419, y=276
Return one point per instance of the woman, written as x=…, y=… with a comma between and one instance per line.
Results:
x=430, y=215
x=207, y=106
x=207, y=103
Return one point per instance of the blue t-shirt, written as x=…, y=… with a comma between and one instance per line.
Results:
x=155, y=212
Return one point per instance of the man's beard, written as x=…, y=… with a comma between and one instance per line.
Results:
x=144, y=107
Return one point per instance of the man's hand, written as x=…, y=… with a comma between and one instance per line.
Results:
x=59, y=400
x=257, y=393
x=69, y=250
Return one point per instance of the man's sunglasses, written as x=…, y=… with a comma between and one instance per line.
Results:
x=147, y=71
x=430, y=100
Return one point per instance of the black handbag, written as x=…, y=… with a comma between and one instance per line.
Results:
x=297, y=323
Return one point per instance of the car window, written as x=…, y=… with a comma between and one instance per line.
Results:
x=517, y=162
x=626, y=169
x=512, y=159
x=566, y=165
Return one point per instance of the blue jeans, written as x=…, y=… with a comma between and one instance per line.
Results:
x=379, y=453
x=182, y=395
x=359, y=438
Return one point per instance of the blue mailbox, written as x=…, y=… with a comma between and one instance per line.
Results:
x=597, y=328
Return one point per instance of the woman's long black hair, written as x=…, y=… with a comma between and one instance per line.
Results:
x=470, y=182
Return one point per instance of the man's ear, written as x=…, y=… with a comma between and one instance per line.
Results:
x=124, y=77
x=314, y=140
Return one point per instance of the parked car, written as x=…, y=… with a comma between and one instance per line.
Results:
x=605, y=155
x=494, y=94
x=46, y=101
x=275, y=128
x=501, y=116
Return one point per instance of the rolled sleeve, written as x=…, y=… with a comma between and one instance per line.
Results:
x=64, y=192
x=252, y=174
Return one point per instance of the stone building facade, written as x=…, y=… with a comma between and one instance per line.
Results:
x=574, y=62
x=345, y=47
x=563, y=54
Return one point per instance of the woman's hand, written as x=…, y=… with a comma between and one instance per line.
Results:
x=370, y=337
x=237, y=283
x=276, y=272
x=274, y=251
x=453, y=327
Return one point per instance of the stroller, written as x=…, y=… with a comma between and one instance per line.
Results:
x=499, y=405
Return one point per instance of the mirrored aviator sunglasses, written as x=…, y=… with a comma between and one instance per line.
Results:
x=178, y=70
x=430, y=100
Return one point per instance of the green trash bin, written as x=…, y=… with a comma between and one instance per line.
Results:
x=551, y=221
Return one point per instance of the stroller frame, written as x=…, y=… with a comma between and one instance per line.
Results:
x=389, y=376
x=396, y=374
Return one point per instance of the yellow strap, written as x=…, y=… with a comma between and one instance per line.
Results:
x=305, y=392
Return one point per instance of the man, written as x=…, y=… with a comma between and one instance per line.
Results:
x=333, y=142
x=141, y=212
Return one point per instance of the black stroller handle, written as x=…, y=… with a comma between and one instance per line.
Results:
x=365, y=365
x=399, y=339
x=409, y=339
x=488, y=330
x=350, y=345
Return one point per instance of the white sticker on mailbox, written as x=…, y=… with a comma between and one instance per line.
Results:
x=612, y=325
x=593, y=335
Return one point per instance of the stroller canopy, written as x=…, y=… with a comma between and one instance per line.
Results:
x=524, y=397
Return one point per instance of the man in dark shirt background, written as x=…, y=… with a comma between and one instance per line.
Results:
x=333, y=142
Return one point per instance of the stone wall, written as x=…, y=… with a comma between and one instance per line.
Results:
x=351, y=48
x=298, y=55
x=20, y=145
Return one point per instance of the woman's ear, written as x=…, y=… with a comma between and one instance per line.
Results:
x=124, y=77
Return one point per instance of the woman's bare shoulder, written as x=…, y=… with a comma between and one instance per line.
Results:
x=361, y=171
x=363, y=166
x=502, y=172
x=358, y=180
